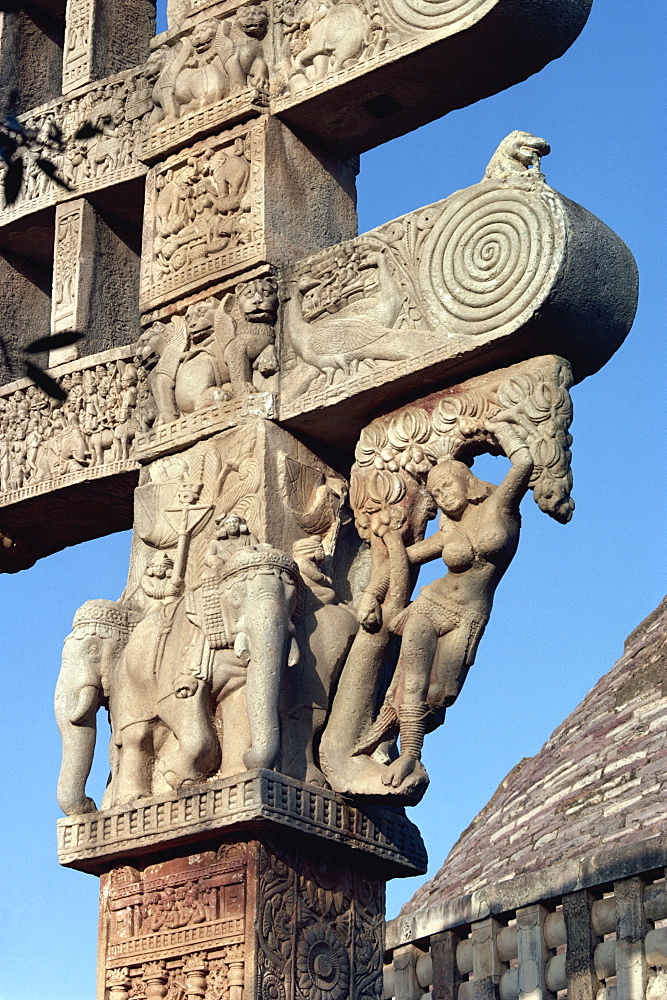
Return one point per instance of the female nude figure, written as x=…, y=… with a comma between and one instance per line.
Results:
x=477, y=538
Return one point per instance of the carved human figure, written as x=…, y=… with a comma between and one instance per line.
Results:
x=477, y=539
x=325, y=629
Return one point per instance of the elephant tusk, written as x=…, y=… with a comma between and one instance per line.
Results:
x=89, y=701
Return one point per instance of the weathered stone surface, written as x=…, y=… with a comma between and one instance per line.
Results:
x=118, y=108
x=266, y=648
x=215, y=209
x=498, y=272
x=258, y=798
x=249, y=918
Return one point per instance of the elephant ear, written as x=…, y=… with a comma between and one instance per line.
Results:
x=223, y=321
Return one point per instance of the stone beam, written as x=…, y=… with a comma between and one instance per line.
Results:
x=397, y=64
x=496, y=273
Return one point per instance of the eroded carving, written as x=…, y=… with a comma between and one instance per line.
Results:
x=204, y=215
x=44, y=440
x=118, y=111
x=319, y=40
x=220, y=349
x=363, y=329
x=218, y=619
x=216, y=59
x=408, y=466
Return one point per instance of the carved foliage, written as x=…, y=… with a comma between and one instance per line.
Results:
x=319, y=931
x=531, y=397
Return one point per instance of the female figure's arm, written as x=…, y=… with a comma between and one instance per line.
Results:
x=511, y=491
x=425, y=550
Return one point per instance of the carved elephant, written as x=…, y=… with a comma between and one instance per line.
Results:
x=226, y=643
x=90, y=655
x=336, y=40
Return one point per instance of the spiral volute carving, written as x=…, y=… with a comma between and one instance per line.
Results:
x=437, y=14
x=491, y=256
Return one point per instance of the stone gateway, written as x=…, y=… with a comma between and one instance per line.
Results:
x=278, y=407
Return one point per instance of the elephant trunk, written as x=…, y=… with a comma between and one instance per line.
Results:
x=75, y=709
x=269, y=631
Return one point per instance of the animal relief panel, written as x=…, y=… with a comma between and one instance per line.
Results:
x=210, y=75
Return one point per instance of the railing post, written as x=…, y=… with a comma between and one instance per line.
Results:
x=487, y=967
x=631, y=968
x=533, y=953
x=446, y=975
x=582, y=980
x=406, y=985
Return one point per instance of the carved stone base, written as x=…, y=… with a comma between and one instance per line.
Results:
x=264, y=888
x=385, y=836
x=256, y=919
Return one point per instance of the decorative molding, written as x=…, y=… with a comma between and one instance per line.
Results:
x=90, y=842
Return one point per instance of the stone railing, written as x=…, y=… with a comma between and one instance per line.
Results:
x=592, y=929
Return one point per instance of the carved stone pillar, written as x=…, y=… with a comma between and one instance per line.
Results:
x=104, y=37
x=446, y=975
x=95, y=279
x=258, y=887
x=487, y=967
x=533, y=953
x=405, y=963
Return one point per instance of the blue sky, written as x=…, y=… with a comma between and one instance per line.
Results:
x=572, y=593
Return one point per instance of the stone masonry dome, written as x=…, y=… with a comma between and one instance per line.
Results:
x=598, y=783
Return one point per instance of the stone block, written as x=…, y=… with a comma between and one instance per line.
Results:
x=104, y=37
x=256, y=917
x=375, y=836
x=214, y=210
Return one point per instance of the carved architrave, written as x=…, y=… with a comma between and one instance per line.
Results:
x=46, y=444
x=118, y=108
x=204, y=215
x=363, y=71
x=496, y=267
